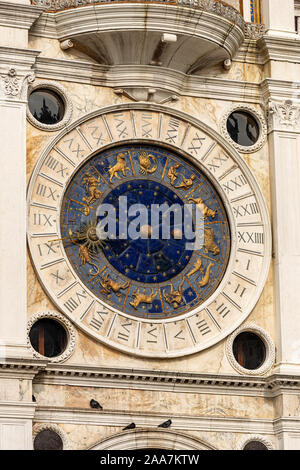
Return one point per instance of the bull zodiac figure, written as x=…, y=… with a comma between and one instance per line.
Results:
x=109, y=285
x=120, y=166
x=174, y=298
x=140, y=298
x=209, y=242
x=145, y=163
x=205, y=211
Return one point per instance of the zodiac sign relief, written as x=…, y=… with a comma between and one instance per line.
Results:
x=186, y=183
x=209, y=242
x=205, y=211
x=197, y=267
x=172, y=174
x=145, y=163
x=174, y=298
x=85, y=255
x=91, y=191
x=109, y=285
x=120, y=166
x=140, y=298
x=205, y=280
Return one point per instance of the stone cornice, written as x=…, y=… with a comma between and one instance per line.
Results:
x=19, y=16
x=21, y=368
x=168, y=381
x=280, y=49
x=16, y=57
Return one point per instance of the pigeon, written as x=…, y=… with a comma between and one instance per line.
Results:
x=33, y=398
x=166, y=424
x=130, y=426
x=95, y=404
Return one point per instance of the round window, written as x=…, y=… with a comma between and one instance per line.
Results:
x=255, y=445
x=249, y=350
x=48, y=337
x=46, y=106
x=47, y=440
x=243, y=128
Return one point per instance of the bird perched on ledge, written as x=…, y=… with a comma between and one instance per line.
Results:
x=130, y=426
x=166, y=424
x=94, y=404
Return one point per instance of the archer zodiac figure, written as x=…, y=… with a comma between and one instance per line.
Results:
x=205, y=280
x=109, y=285
x=140, y=298
x=172, y=174
x=205, y=211
x=186, y=183
x=120, y=166
x=174, y=297
x=145, y=163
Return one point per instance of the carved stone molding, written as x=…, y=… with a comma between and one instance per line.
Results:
x=283, y=115
x=14, y=84
x=147, y=94
x=254, y=31
x=37, y=428
x=60, y=90
x=67, y=326
x=269, y=345
x=262, y=124
x=245, y=440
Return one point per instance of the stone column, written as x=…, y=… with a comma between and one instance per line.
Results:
x=279, y=17
x=16, y=367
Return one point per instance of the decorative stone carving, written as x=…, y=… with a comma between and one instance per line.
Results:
x=14, y=85
x=269, y=345
x=254, y=31
x=263, y=130
x=69, y=330
x=284, y=115
x=147, y=94
x=60, y=90
x=244, y=441
x=37, y=428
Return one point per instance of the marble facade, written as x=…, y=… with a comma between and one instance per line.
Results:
x=212, y=404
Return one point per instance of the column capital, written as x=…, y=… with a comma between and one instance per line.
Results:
x=283, y=115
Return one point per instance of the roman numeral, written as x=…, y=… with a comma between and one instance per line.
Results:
x=42, y=219
x=99, y=139
x=57, y=276
x=217, y=162
x=203, y=327
x=178, y=335
x=98, y=320
x=49, y=246
x=196, y=144
x=251, y=237
x=146, y=125
x=42, y=189
x=223, y=310
x=121, y=126
x=124, y=334
x=240, y=290
x=172, y=130
x=51, y=162
x=234, y=184
x=77, y=150
x=248, y=209
x=153, y=335
x=72, y=303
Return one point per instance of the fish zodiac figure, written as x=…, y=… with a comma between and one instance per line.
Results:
x=109, y=285
x=145, y=163
x=120, y=166
x=140, y=298
x=174, y=298
x=205, y=280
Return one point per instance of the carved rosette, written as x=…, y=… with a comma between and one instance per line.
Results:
x=283, y=115
x=14, y=84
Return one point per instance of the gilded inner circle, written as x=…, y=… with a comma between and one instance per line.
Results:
x=145, y=277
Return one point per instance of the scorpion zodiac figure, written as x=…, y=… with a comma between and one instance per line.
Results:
x=145, y=163
x=174, y=298
x=109, y=285
x=120, y=166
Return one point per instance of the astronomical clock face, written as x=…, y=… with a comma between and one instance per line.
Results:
x=152, y=294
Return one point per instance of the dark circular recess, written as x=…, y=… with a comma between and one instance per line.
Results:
x=249, y=350
x=48, y=337
x=255, y=445
x=243, y=128
x=46, y=106
x=47, y=440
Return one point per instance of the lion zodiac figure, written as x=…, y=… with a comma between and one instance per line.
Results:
x=120, y=166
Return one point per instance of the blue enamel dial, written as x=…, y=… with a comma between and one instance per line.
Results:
x=144, y=277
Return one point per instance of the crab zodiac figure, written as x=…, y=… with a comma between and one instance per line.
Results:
x=120, y=166
x=145, y=163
